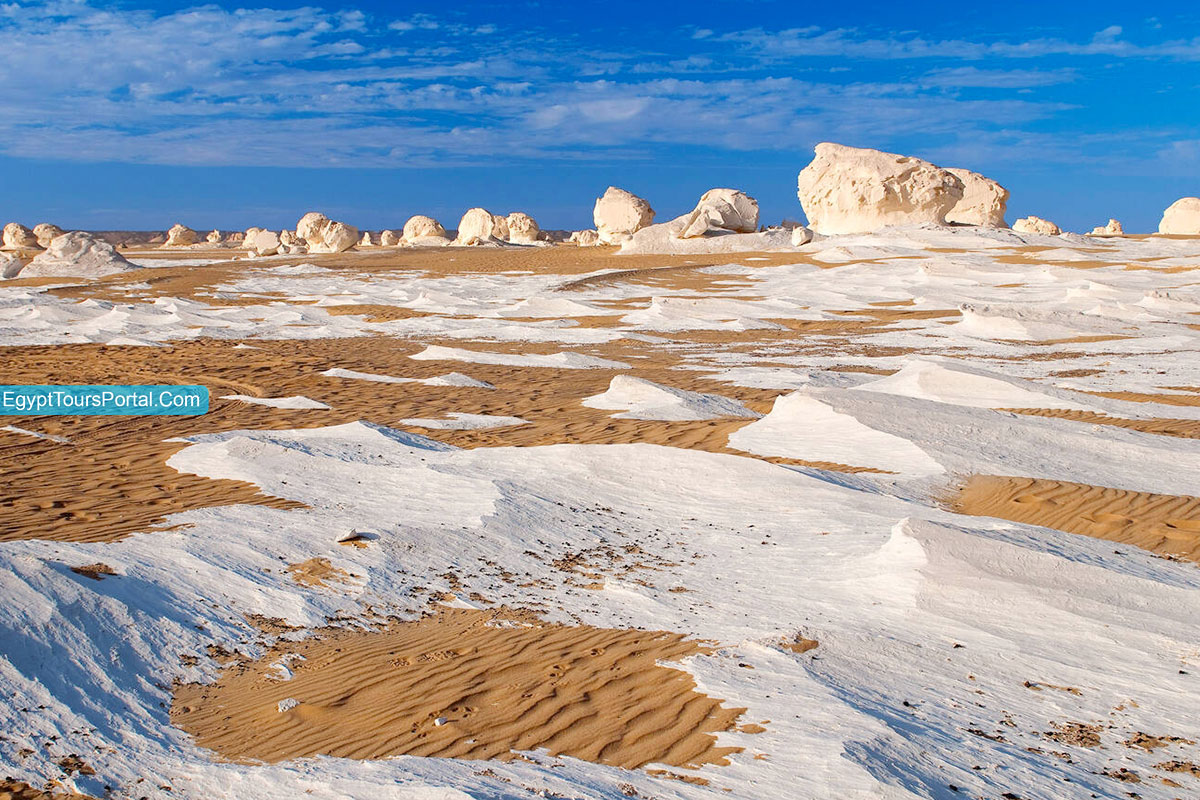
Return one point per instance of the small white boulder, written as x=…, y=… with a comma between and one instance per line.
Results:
x=1032, y=224
x=421, y=227
x=801, y=236
x=585, y=238
x=1113, y=228
x=214, y=237
x=323, y=235
x=263, y=243
x=388, y=238
x=721, y=211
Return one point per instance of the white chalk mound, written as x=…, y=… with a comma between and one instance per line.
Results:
x=620, y=214
x=18, y=237
x=10, y=265
x=1032, y=224
x=587, y=238
x=984, y=202
x=721, y=211
x=642, y=399
x=388, y=238
x=181, y=236
x=801, y=236
x=214, y=237
x=478, y=226
x=1113, y=228
x=424, y=230
x=365, y=241
x=263, y=243
x=46, y=233
x=1182, y=218
x=324, y=235
x=858, y=190
x=963, y=386
x=76, y=255
x=522, y=228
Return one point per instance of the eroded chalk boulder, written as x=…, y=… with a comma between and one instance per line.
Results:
x=1113, y=228
x=522, y=228
x=17, y=237
x=46, y=233
x=10, y=265
x=478, y=226
x=801, y=236
x=323, y=235
x=1032, y=224
x=214, y=237
x=262, y=243
x=984, y=202
x=422, y=227
x=858, y=190
x=721, y=211
x=181, y=236
x=619, y=214
x=389, y=238
x=585, y=238
x=1182, y=218
x=365, y=241
x=76, y=255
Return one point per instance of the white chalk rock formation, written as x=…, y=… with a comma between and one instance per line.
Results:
x=253, y=229
x=422, y=227
x=262, y=243
x=984, y=202
x=388, y=238
x=1113, y=228
x=1182, y=218
x=1032, y=224
x=324, y=235
x=477, y=226
x=365, y=241
x=522, y=229
x=77, y=255
x=46, y=233
x=587, y=238
x=181, y=236
x=721, y=211
x=214, y=237
x=500, y=227
x=18, y=237
x=620, y=214
x=801, y=236
x=858, y=190
x=10, y=265
x=236, y=238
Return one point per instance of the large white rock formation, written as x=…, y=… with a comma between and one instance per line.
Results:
x=1181, y=218
x=983, y=203
x=858, y=190
x=46, y=233
x=522, y=229
x=1113, y=228
x=76, y=255
x=619, y=214
x=262, y=242
x=422, y=227
x=478, y=226
x=1032, y=224
x=721, y=211
x=181, y=236
x=18, y=237
x=585, y=238
x=324, y=235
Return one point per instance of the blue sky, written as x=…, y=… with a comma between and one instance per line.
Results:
x=138, y=115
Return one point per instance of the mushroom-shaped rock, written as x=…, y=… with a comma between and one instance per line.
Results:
x=18, y=237
x=984, y=202
x=214, y=237
x=1032, y=224
x=181, y=236
x=585, y=238
x=619, y=214
x=422, y=227
x=1182, y=218
x=522, y=229
x=78, y=255
x=324, y=235
x=263, y=243
x=46, y=233
x=477, y=226
x=801, y=236
x=858, y=190
x=1113, y=228
x=388, y=238
x=721, y=211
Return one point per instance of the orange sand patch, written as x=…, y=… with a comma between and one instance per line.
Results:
x=1164, y=524
x=464, y=684
x=317, y=572
x=1182, y=428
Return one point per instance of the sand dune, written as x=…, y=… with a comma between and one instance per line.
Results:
x=1164, y=524
x=464, y=684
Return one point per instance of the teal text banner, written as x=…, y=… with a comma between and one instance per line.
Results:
x=103, y=400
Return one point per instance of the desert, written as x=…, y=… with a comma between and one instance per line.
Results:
x=862, y=480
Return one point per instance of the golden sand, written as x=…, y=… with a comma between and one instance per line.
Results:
x=464, y=684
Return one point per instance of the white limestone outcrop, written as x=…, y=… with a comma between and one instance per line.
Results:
x=721, y=211
x=46, y=233
x=585, y=238
x=389, y=238
x=77, y=255
x=214, y=237
x=181, y=236
x=1032, y=224
x=1113, y=228
x=1182, y=218
x=801, y=236
x=858, y=190
x=262, y=243
x=984, y=202
x=522, y=228
x=323, y=235
x=478, y=226
x=619, y=214
x=17, y=237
